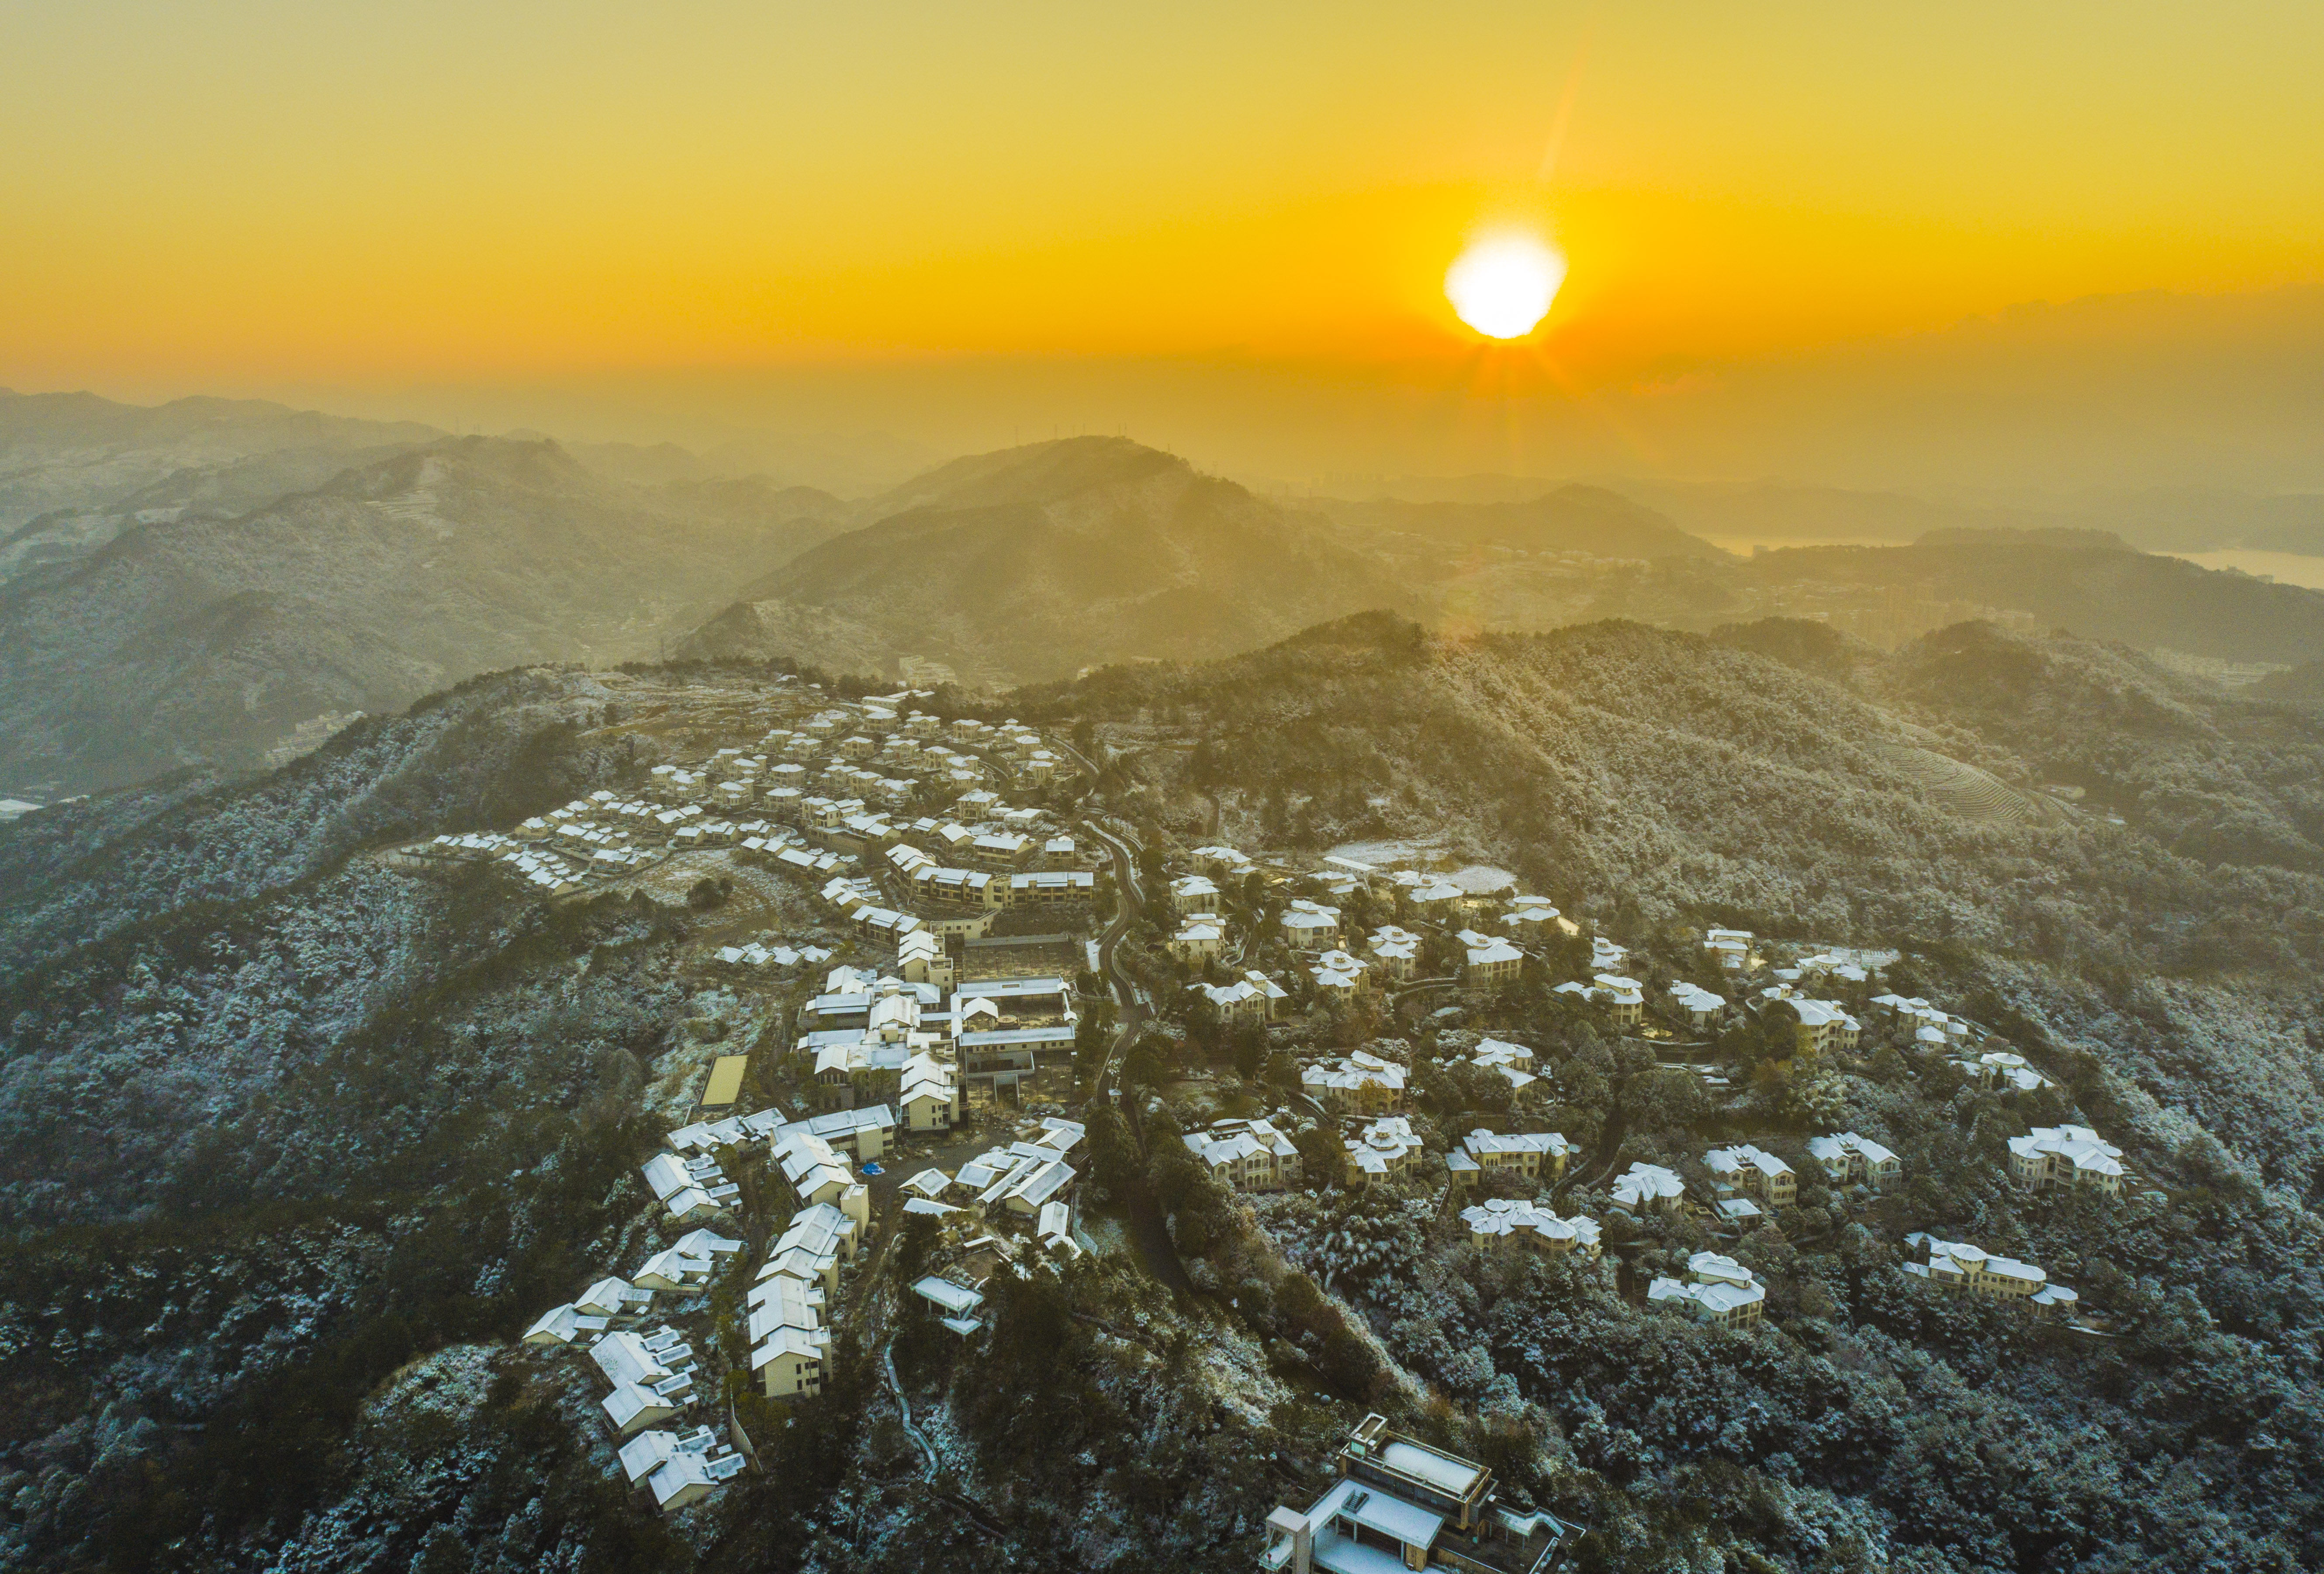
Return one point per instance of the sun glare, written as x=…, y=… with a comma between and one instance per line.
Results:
x=1502, y=285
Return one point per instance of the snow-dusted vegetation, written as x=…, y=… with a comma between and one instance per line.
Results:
x=298, y=1142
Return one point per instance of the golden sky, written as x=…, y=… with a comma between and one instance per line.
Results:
x=234, y=194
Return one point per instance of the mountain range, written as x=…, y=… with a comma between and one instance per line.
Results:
x=208, y=581
x=201, y=639
x=1033, y=561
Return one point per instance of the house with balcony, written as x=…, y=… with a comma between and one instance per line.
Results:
x=1856, y=1160
x=1623, y=999
x=1395, y=952
x=1730, y=948
x=1252, y=999
x=1383, y=1150
x=1530, y=1155
x=1499, y=1223
x=1311, y=925
x=1250, y=1155
x=1192, y=894
x=1717, y=1290
x=1956, y=1265
x=1361, y=1085
x=2065, y=1155
x=1528, y=915
x=1197, y=940
x=1490, y=962
x=1513, y=1061
x=2001, y=1068
x=1699, y=1005
x=1338, y=976
x=1649, y=1188
x=1754, y=1172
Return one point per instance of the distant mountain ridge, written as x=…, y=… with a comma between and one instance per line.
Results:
x=1030, y=563
x=1574, y=518
x=206, y=639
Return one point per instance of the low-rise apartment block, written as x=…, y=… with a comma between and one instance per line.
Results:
x=1398, y=1504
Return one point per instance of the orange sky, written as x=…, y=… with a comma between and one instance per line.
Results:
x=235, y=196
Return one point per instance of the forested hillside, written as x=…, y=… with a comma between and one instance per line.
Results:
x=1660, y=777
x=1033, y=561
x=197, y=639
x=298, y=1144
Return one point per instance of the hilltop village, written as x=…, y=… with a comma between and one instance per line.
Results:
x=951, y=1007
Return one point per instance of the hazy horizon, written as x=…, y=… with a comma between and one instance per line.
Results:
x=2053, y=250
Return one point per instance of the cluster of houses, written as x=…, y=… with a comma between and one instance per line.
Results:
x=814, y=797
x=1028, y=1177
x=545, y=871
x=922, y=1042
x=652, y=1371
x=1027, y=1183
x=1748, y=1181
x=794, y=1285
x=1342, y=964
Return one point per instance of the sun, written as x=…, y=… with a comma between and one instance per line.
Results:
x=1502, y=285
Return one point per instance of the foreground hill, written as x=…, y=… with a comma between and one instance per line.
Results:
x=202, y=639
x=1033, y=561
x=296, y=1146
x=1839, y=793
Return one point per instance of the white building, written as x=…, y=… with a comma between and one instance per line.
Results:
x=1250, y=1155
x=1718, y=1290
x=1650, y=1187
x=2065, y=1155
x=1852, y=1160
x=1363, y=1084
x=1399, y=1504
x=1383, y=1149
x=1499, y=1222
x=1530, y=1154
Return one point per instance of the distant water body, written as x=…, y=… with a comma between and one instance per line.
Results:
x=2284, y=567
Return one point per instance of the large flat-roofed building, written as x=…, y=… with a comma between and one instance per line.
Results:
x=1399, y=1504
